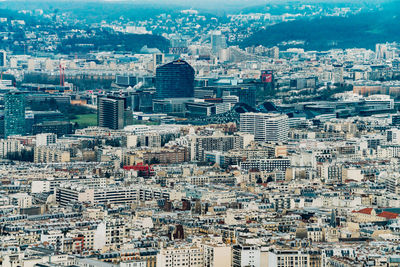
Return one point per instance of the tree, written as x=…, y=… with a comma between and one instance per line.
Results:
x=154, y=161
x=23, y=155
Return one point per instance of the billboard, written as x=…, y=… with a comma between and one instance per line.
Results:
x=267, y=76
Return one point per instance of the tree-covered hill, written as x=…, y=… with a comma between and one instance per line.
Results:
x=361, y=30
x=113, y=41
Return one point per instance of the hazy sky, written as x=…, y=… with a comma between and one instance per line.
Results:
x=216, y=5
x=237, y=3
x=202, y=3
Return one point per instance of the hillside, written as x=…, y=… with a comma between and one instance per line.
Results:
x=111, y=41
x=362, y=30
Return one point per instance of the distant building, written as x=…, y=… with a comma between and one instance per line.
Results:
x=45, y=154
x=245, y=255
x=110, y=112
x=337, y=73
x=172, y=257
x=217, y=142
x=126, y=80
x=200, y=109
x=266, y=127
x=171, y=106
x=396, y=119
x=3, y=56
x=142, y=101
x=59, y=128
x=158, y=59
x=45, y=139
x=174, y=80
x=218, y=41
x=9, y=146
x=14, y=114
x=289, y=258
x=246, y=95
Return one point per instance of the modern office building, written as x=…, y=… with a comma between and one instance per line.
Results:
x=142, y=101
x=266, y=127
x=174, y=80
x=200, y=109
x=158, y=59
x=171, y=106
x=396, y=119
x=59, y=128
x=246, y=95
x=126, y=80
x=3, y=56
x=218, y=41
x=14, y=114
x=110, y=112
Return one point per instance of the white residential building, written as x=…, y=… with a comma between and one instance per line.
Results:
x=180, y=257
x=266, y=127
x=9, y=146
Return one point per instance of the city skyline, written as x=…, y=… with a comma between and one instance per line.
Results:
x=200, y=133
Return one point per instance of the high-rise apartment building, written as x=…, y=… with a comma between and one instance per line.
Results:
x=110, y=112
x=266, y=127
x=14, y=114
x=337, y=76
x=175, y=79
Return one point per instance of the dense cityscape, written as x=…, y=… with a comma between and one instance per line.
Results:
x=239, y=135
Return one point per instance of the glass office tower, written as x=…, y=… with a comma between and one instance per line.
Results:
x=14, y=114
x=175, y=79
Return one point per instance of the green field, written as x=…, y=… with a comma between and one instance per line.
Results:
x=85, y=120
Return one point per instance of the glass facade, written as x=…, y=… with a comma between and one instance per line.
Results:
x=14, y=114
x=175, y=79
x=110, y=112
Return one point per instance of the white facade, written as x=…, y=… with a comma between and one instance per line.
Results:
x=54, y=237
x=380, y=102
x=45, y=139
x=40, y=186
x=246, y=256
x=266, y=127
x=288, y=258
x=180, y=257
x=22, y=200
x=9, y=146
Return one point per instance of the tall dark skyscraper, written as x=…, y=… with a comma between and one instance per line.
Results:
x=110, y=112
x=3, y=56
x=14, y=114
x=175, y=79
